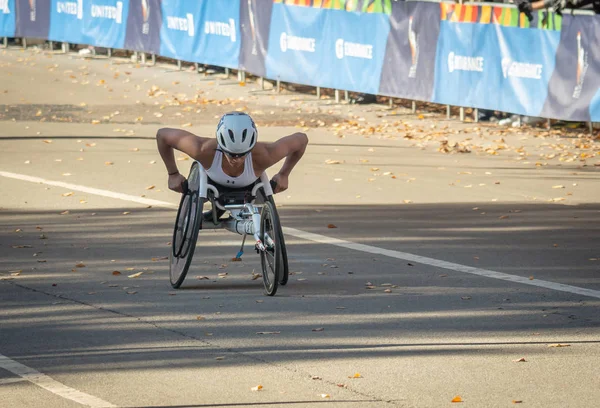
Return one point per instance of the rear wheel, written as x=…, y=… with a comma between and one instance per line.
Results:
x=185, y=233
x=283, y=277
x=270, y=258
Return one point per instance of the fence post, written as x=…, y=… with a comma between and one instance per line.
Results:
x=153, y=59
x=318, y=92
x=144, y=58
x=414, y=107
x=548, y=124
x=5, y=42
x=179, y=65
x=591, y=126
x=109, y=52
x=346, y=96
x=462, y=114
x=227, y=72
x=65, y=47
x=476, y=115
x=196, y=67
x=25, y=43
x=337, y=96
x=447, y=111
x=278, y=85
x=51, y=45
x=391, y=102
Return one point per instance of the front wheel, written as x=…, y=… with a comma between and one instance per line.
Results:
x=270, y=258
x=185, y=233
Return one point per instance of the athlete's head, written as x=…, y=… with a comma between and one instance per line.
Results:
x=236, y=134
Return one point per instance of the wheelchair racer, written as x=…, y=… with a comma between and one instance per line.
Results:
x=234, y=158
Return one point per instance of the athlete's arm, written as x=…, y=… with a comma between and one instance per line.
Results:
x=291, y=148
x=168, y=139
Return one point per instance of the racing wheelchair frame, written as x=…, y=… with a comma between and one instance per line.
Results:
x=252, y=211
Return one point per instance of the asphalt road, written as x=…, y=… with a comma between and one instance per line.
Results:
x=467, y=275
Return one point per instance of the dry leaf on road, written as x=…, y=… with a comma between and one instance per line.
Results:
x=457, y=399
x=257, y=388
x=136, y=275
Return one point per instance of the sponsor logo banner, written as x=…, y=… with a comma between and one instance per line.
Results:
x=524, y=72
x=409, y=63
x=218, y=39
x=143, y=26
x=465, y=73
x=328, y=48
x=574, y=87
x=296, y=45
x=352, y=54
x=104, y=22
x=33, y=18
x=66, y=21
x=255, y=23
x=180, y=24
x=7, y=18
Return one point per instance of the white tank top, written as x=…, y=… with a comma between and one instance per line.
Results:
x=217, y=174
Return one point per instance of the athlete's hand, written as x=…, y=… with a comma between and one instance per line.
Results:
x=282, y=183
x=176, y=182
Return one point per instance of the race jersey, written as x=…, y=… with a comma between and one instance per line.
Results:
x=216, y=173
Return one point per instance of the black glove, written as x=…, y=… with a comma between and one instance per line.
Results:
x=525, y=8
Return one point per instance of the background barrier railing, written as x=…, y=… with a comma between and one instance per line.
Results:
x=477, y=55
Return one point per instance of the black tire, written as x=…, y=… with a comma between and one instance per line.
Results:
x=285, y=272
x=270, y=258
x=185, y=232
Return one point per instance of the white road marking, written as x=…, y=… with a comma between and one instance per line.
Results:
x=339, y=242
x=441, y=264
x=89, y=190
x=51, y=385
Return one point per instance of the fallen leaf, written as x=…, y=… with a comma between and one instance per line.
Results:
x=325, y=396
x=186, y=125
x=320, y=329
x=126, y=212
x=331, y=226
x=150, y=187
x=159, y=258
x=21, y=246
x=531, y=278
x=200, y=318
x=516, y=401
x=357, y=375
x=388, y=291
x=47, y=141
x=219, y=358
x=80, y=265
x=257, y=388
x=559, y=345
x=69, y=194
x=64, y=212
x=315, y=377
x=559, y=186
x=236, y=259
x=116, y=273
x=521, y=360
x=457, y=399
x=108, y=163
x=132, y=292
x=202, y=277
x=330, y=161
x=136, y=275
x=503, y=217
x=16, y=273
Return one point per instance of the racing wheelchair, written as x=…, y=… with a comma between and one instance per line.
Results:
x=251, y=211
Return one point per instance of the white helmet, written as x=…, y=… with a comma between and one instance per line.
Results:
x=236, y=133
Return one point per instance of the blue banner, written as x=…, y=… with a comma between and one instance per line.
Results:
x=467, y=69
x=105, y=22
x=7, y=18
x=218, y=41
x=66, y=21
x=180, y=27
x=352, y=51
x=296, y=44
